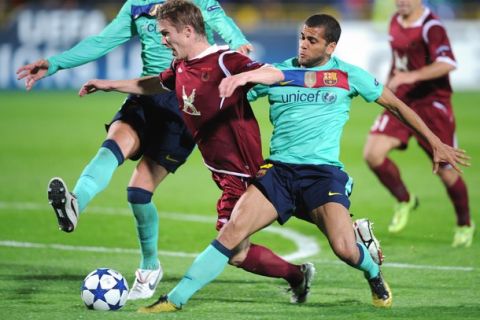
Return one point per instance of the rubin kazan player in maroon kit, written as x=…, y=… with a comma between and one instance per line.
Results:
x=422, y=61
x=225, y=130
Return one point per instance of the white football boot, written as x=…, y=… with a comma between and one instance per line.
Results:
x=364, y=234
x=64, y=204
x=146, y=282
x=300, y=292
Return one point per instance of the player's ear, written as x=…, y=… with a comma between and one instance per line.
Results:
x=331, y=47
x=188, y=31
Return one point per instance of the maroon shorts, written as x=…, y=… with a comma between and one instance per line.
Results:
x=232, y=189
x=438, y=115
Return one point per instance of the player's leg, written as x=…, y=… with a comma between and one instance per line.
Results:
x=335, y=222
x=166, y=145
x=388, y=134
x=145, y=179
x=458, y=194
x=253, y=258
x=261, y=260
x=442, y=122
x=252, y=213
x=121, y=142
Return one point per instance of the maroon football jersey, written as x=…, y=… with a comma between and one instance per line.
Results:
x=225, y=130
x=419, y=45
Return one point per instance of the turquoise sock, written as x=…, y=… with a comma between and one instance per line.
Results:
x=366, y=263
x=95, y=177
x=146, y=216
x=206, y=267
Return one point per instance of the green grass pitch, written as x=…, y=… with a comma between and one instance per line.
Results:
x=46, y=134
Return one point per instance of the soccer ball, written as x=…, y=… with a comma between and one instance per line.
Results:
x=104, y=289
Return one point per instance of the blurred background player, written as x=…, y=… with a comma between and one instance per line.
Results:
x=225, y=130
x=422, y=60
x=149, y=128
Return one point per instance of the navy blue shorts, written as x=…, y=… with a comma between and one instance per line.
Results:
x=159, y=125
x=296, y=189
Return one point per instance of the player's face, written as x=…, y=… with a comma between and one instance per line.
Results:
x=313, y=49
x=173, y=39
x=407, y=7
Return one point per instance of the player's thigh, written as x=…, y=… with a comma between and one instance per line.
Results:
x=387, y=133
x=378, y=146
x=335, y=222
x=148, y=174
x=440, y=120
x=251, y=213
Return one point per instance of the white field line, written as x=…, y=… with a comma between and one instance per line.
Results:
x=306, y=246
x=405, y=266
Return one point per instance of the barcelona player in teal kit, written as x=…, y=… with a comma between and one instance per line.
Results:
x=310, y=98
x=148, y=128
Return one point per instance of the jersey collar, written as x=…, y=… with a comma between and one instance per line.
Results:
x=212, y=49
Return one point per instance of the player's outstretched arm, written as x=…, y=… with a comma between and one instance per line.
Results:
x=265, y=75
x=429, y=72
x=441, y=151
x=33, y=72
x=144, y=86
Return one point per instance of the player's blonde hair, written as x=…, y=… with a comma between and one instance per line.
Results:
x=181, y=13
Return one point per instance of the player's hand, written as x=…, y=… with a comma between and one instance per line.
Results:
x=230, y=84
x=399, y=78
x=93, y=86
x=443, y=153
x=33, y=72
x=245, y=49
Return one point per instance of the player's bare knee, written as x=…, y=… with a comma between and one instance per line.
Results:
x=448, y=175
x=372, y=156
x=232, y=234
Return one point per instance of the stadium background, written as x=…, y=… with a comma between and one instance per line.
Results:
x=50, y=131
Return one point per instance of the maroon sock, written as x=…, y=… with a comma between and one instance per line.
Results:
x=459, y=196
x=389, y=176
x=263, y=261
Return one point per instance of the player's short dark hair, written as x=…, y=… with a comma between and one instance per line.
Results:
x=181, y=13
x=329, y=24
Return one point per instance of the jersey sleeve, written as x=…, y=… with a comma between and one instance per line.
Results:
x=258, y=91
x=235, y=63
x=119, y=31
x=438, y=43
x=167, y=77
x=216, y=19
x=364, y=84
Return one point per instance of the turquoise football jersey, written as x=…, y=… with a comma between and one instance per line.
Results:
x=310, y=108
x=137, y=18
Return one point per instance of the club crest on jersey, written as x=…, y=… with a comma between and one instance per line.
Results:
x=205, y=76
x=310, y=79
x=329, y=97
x=188, y=106
x=330, y=78
x=263, y=170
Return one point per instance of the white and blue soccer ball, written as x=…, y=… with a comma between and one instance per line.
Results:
x=104, y=289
